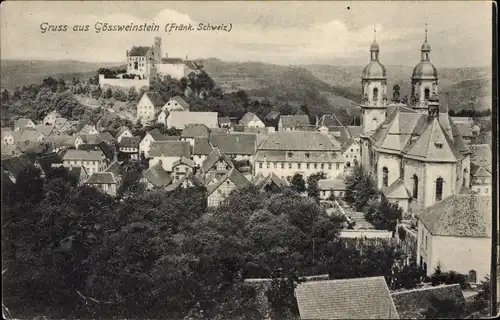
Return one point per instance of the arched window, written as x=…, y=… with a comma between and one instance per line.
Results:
x=415, y=186
x=348, y=164
x=464, y=179
x=427, y=93
x=385, y=177
x=439, y=189
x=472, y=276
x=375, y=94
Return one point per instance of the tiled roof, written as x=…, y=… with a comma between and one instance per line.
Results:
x=195, y=130
x=48, y=160
x=21, y=123
x=354, y=131
x=292, y=121
x=27, y=134
x=158, y=136
x=397, y=190
x=272, y=115
x=361, y=298
x=101, y=178
x=272, y=177
x=138, y=51
x=170, y=149
x=213, y=158
x=219, y=130
x=181, y=102
x=481, y=155
x=87, y=129
x=465, y=129
x=180, y=119
x=130, y=142
x=182, y=160
x=331, y=184
x=224, y=120
x=31, y=147
x=16, y=165
x=346, y=145
x=44, y=129
x=116, y=169
x=235, y=143
x=106, y=136
x=234, y=176
x=340, y=133
x=285, y=156
x=299, y=140
x=172, y=60
x=72, y=154
x=202, y=146
x=329, y=120
x=247, y=118
x=157, y=176
x=90, y=138
x=190, y=177
x=108, y=150
x=462, y=120
x=121, y=131
x=478, y=171
x=61, y=140
x=155, y=98
x=460, y=215
x=412, y=304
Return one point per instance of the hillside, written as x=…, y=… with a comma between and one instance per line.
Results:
x=17, y=73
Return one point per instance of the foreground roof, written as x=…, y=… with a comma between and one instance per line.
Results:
x=236, y=177
x=90, y=155
x=157, y=176
x=294, y=121
x=300, y=140
x=170, y=149
x=247, y=118
x=411, y=304
x=102, y=178
x=460, y=215
x=235, y=143
x=361, y=298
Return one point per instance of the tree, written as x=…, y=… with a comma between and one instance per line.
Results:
x=107, y=94
x=298, y=183
x=395, y=93
x=132, y=94
x=5, y=96
x=482, y=300
x=96, y=93
x=312, y=184
x=120, y=94
x=444, y=309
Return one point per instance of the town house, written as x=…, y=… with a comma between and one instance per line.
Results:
x=93, y=161
x=148, y=106
x=201, y=149
x=299, y=152
x=220, y=190
x=182, y=168
x=250, y=120
x=175, y=104
x=103, y=181
x=216, y=165
x=294, y=122
x=168, y=152
x=129, y=147
x=156, y=177
x=23, y=123
x=151, y=136
x=50, y=119
x=192, y=131
x=180, y=119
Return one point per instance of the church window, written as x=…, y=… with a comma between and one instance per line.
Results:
x=415, y=186
x=427, y=93
x=385, y=177
x=375, y=94
x=307, y=154
x=472, y=276
x=337, y=166
x=439, y=189
x=136, y=65
x=464, y=179
x=438, y=145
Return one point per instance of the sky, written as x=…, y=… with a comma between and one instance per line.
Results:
x=280, y=32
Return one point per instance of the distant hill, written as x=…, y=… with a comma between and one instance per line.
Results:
x=17, y=73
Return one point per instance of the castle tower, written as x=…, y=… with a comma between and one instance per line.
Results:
x=157, y=50
x=424, y=80
x=374, y=91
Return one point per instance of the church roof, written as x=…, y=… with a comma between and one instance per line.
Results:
x=397, y=190
x=424, y=70
x=374, y=70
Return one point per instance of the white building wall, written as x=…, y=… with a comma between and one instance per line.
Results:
x=432, y=172
x=256, y=124
x=289, y=169
x=175, y=71
x=393, y=164
x=145, y=109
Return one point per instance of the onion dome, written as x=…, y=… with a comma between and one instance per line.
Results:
x=374, y=46
x=374, y=70
x=425, y=70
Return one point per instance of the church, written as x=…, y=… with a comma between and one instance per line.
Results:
x=414, y=150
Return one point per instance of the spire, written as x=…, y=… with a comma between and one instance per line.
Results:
x=426, y=31
x=426, y=48
x=375, y=33
x=374, y=48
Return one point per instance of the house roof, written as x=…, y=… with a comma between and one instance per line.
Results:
x=412, y=304
x=340, y=133
x=31, y=147
x=213, y=158
x=182, y=160
x=155, y=98
x=465, y=129
x=195, y=130
x=73, y=154
x=106, y=136
x=171, y=61
x=331, y=184
x=293, y=121
x=397, y=190
x=180, y=119
x=44, y=129
x=87, y=129
x=361, y=298
x=108, y=150
x=102, y=178
x=247, y=118
x=130, y=142
x=157, y=176
x=460, y=215
x=181, y=102
x=235, y=143
x=16, y=165
x=478, y=171
x=190, y=177
x=139, y=51
x=354, y=131
x=90, y=138
x=158, y=136
x=270, y=178
x=60, y=140
x=329, y=120
x=481, y=155
x=272, y=115
x=224, y=120
x=234, y=176
x=121, y=131
x=116, y=169
x=299, y=140
x=170, y=149
x=48, y=160
x=202, y=146
x=21, y=122
x=219, y=130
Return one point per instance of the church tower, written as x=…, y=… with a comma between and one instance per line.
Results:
x=424, y=80
x=374, y=91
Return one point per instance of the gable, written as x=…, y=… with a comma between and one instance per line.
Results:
x=433, y=145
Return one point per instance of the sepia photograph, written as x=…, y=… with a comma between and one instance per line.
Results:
x=241, y=160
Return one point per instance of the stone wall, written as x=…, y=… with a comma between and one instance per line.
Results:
x=123, y=83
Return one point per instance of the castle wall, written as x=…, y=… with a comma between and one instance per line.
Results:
x=175, y=71
x=124, y=83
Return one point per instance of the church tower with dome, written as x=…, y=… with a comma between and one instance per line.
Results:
x=374, y=91
x=424, y=80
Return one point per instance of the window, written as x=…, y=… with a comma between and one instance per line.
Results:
x=307, y=154
x=352, y=150
x=385, y=177
x=275, y=165
x=315, y=166
x=298, y=165
x=375, y=94
x=268, y=165
x=425, y=242
x=438, y=145
x=282, y=166
x=348, y=164
x=289, y=166
x=260, y=165
x=427, y=93
x=439, y=189
x=322, y=166
x=472, y=276
x=329, y=166
x=136, y=65
x=415, y=186
x=307, y=166
x=464, y=179
x=290, y=154
x=486, y=190
x=337, y=166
